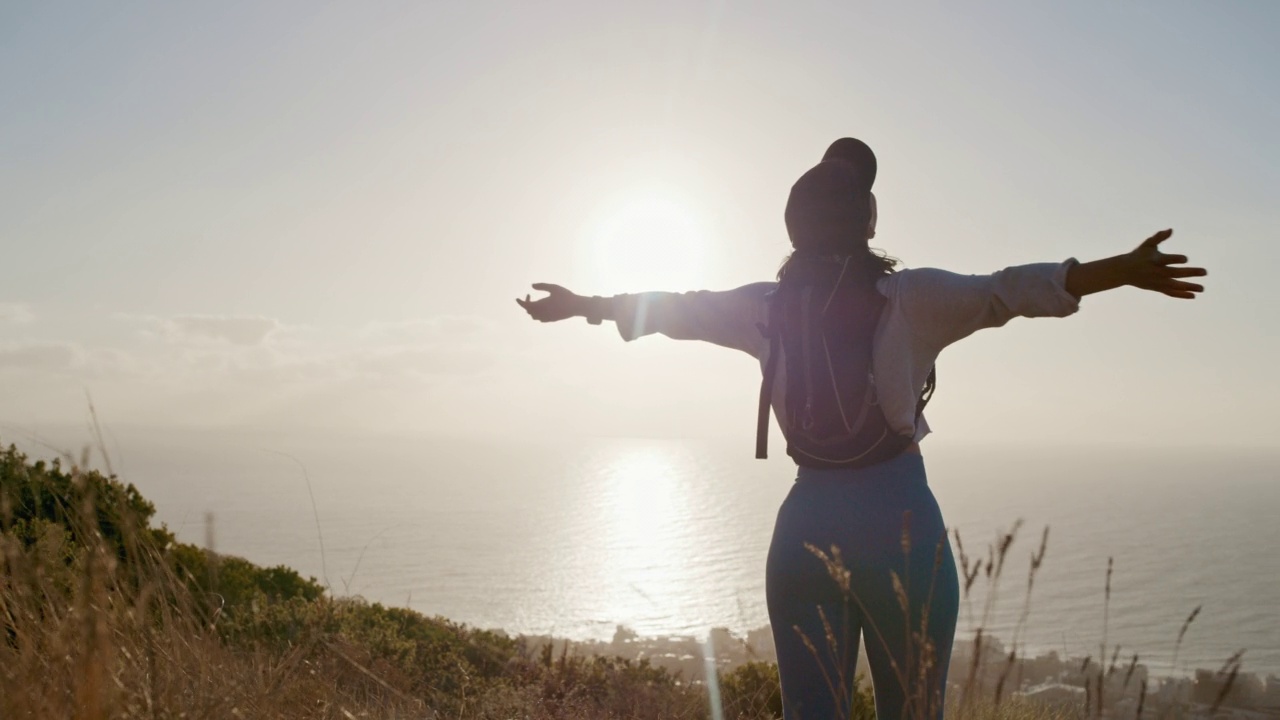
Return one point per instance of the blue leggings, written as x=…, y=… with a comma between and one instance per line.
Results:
x=861, y=513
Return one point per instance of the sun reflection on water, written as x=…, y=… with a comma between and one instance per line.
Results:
x=647, y=506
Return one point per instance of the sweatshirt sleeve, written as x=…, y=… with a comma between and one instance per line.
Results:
x=728, y=318
x=943, y=307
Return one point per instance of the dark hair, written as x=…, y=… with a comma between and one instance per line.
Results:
x=874, y=263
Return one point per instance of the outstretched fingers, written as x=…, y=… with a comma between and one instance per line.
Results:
x=1158, y=238
x=1169, y=274
x=1184, y=286
x=1162, y=273
x=1166, y=283
x=553, y=307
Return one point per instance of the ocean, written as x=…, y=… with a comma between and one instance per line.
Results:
x=668, y=537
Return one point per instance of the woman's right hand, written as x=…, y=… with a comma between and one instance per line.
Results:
x=559, y=304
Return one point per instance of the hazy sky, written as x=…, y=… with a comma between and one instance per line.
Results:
x=296, y=214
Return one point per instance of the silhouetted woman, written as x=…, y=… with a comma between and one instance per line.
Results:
x=816, y=597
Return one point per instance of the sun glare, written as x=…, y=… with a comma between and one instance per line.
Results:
x=646, y=241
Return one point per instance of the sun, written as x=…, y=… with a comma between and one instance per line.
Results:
x=645, y=241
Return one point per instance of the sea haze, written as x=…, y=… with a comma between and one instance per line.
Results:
x=669, y=537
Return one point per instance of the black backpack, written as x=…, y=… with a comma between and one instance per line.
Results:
x=822, y=319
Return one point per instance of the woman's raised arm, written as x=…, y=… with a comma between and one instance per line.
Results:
x=728, y=318
x=943, y=307
x=1145, y=267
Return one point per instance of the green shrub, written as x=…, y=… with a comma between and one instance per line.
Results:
x=79, y=501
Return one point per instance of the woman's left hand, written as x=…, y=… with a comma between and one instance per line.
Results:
x=1149, y=269
x=1145, y=267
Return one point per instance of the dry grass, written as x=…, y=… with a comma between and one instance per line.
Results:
x=102, y=616
x=1013, y=708
x=95, y=631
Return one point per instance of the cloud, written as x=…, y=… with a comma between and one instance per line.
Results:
x=243, y=352
x=248, y=360
x=206, y=330
x=247, y=368
x=443, y=329
x=114, y=363
x=425, y=348
x=425, y=363
x=237, y=330
x=40, y=356
x=15, y=313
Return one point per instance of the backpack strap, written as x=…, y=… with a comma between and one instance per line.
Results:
x=806, y=347
x=770, y=331
x=766, y=396
x=926, y=394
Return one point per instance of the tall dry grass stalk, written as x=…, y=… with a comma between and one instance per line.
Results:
x=917, y=673
x=977, y=687
x=1182, y=632
x=844, y=689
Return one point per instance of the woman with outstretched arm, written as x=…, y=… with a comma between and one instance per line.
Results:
x=855, y=338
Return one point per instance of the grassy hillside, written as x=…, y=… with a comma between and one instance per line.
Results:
x=106, y=615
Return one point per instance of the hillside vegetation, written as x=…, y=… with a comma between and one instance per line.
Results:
x=104, y=614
